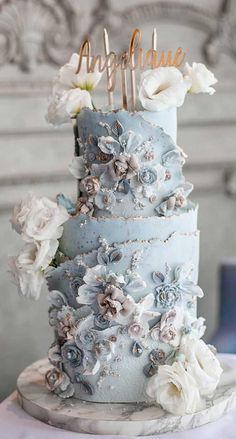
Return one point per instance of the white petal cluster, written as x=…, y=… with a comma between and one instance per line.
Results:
x=162, y=88
x=181, y=388
x=39, y=222
x=200, y=78
x=71, y=91
x=166, y=87
x=201, y=363
x=175, y=390
x=65, y=106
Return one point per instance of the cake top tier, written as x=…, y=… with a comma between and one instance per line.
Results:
x=127, y=166
x=126, y=160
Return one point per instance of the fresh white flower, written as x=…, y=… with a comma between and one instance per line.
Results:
x=162, y=88
x=199, y=78
x=66, y=105
x=201, y=363
x=39, y=219
x=78, y=167
x=175, y=390
x=21, y=211
x=27, y=269
x=69, y=79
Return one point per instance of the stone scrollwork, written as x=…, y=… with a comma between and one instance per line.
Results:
x=217, y=23
x=46, y=31
x=34, y=32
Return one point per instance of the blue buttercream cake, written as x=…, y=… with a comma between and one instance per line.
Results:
x=139, y=229
x=121, y=260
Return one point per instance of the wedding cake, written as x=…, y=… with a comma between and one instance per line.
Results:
x=121, y=262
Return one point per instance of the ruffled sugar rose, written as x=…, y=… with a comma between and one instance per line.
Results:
x=53, y=379
x=175, y=390
x=27, y=268
x=65, y=106
x=201, y=363
x=113, y=303
x=162, y=88
x=39, y=219
x=90, y=185
x=123, y=167
x=58, y=382
x=199, y=78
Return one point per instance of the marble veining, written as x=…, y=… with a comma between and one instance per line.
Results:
x=117, y=419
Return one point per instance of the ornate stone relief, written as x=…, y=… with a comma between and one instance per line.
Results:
x=34, y=32
x=45, y=31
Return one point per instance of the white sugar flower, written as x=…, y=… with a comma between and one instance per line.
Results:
x=138, y=326
x=66, y=105
x=69, y=79
x=162, y=88
x=201, y=363
x=21, y=211
x=27, y=269
x=175, y=390
x=39, y=219
x=78, y=167
x=169, y=329
x=199, y=78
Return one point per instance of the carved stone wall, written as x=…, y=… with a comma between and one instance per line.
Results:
x=38, y=35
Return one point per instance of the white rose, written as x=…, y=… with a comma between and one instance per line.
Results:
x=201, y=363
x=175, y=390
x=27, y=268
x=69, y=79
x=162, y=88
x=21, y=211
x=39, y=219
x=199, y=78
x=66, y=105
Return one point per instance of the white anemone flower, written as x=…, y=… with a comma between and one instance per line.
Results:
x=69, y=79
x=162, y=88
x=199, y=78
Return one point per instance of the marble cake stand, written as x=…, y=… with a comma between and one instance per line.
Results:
x=115, y=419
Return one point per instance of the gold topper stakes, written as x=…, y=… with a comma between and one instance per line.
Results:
x=133, y=59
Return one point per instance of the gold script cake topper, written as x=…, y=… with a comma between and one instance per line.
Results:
x=135, y=58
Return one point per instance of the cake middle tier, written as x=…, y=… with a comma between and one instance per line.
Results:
x=117, y=242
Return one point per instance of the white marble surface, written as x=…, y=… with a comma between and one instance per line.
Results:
x=118, y=419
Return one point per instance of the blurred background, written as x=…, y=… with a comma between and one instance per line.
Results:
x=37, y=36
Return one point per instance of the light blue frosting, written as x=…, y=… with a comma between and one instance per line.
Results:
x=161, y=235
x=166, y=119
x=152, y=181
x=81, y=232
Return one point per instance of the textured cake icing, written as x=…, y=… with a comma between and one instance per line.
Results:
x=121, y=261
x=125, y=256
